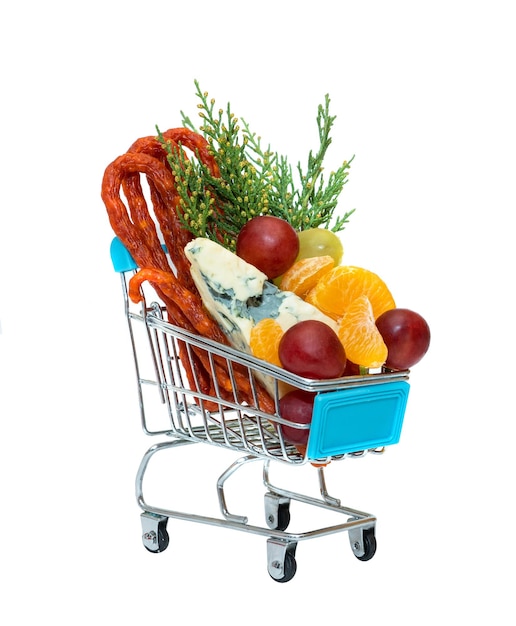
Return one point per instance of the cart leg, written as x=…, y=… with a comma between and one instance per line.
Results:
x=324, y=491
x=281, y=561
x=241, y=519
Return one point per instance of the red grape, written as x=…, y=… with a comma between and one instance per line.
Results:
x=269, y=243
x=297, y=406
x=312, y=349
x=406, y=335
x=352, y=369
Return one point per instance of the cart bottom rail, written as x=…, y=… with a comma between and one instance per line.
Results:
x=281, y=544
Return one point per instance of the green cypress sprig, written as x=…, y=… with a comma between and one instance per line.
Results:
x=253, y=180
x=317, y=200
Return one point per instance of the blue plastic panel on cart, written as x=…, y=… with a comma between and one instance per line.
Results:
x=358, y=418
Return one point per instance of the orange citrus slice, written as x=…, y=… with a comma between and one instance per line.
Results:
x=337, y=289
x=361, y=339
x=305, y=274
x=264, y=340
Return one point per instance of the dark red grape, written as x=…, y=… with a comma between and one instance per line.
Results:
x=269, y=243
x=406, y=335
x=352, y=369
x=313, y=350
x=297, y=406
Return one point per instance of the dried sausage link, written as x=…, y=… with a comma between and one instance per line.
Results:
x=137, y=229
x=138, y=225
x=204, y=325
x=197, y=144
x=173, y=289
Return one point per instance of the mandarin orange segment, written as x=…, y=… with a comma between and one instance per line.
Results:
x=361, y=339
x=264, y=340
x=305, y=274
x=339, y=287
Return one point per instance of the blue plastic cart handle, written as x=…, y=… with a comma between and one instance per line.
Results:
x=120, y=257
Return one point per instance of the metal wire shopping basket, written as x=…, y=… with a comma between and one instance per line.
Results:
x=351, y=416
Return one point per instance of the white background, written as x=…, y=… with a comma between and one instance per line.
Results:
x=424, y=98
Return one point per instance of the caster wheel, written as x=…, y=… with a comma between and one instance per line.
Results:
x=277, y=512
x=289, y=569
x=159, y=541
x=283, y=518
x=281, y=560
x=155, y=536
x=369, y=545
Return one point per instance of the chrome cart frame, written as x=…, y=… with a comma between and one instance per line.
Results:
x=353, y=416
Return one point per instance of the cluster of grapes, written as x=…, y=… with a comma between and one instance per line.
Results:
x=311, y=348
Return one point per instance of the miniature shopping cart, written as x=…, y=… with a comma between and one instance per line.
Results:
x=352, y=416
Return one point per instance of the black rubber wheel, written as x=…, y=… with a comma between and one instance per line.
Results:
x=289, y=569
x=369, y=545
x=283, y=516
x=163, y=538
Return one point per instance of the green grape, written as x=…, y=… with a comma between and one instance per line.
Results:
x=320, y=242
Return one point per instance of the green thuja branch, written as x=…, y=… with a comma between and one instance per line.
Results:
x=253, y=179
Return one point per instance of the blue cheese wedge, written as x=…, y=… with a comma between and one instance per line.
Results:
x=238, y=295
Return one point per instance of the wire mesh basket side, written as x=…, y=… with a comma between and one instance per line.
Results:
x=174, y=404
x=197, y=389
